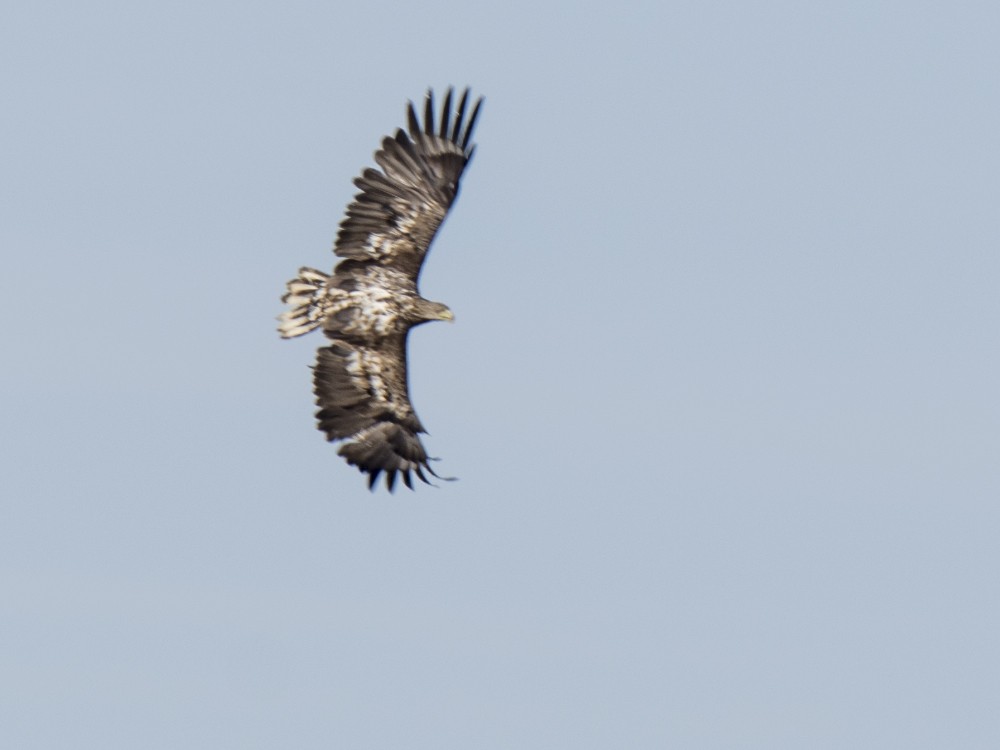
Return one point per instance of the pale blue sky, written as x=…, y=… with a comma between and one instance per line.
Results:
x=721, y=391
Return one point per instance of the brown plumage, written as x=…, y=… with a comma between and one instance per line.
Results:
x=371, y=301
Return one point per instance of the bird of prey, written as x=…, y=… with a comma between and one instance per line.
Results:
x=368, y=305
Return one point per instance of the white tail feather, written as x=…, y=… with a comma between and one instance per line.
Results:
x=309, y=299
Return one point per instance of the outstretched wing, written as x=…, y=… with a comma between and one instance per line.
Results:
x=361, y=391
x=394, y=218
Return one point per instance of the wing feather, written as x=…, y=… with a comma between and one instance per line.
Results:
x=401, y=205
x=429, y=113
x=445, y=114
x=467, y=134
x=459, y=116
x=411, y=118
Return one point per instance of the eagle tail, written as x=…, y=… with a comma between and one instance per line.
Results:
x=309, y=300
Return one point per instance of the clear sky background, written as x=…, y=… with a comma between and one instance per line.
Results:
x=721, y=391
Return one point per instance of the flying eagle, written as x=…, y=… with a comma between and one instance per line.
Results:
x=371, y=301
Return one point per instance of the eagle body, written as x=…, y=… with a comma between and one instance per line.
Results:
x=368, y=305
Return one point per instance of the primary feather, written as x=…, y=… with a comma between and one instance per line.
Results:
x=371, y=301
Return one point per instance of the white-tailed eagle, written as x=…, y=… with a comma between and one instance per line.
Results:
x=369, y=303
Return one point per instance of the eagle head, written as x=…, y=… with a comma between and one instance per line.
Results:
x=427, y=311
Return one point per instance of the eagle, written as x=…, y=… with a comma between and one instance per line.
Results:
x=368, y=305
